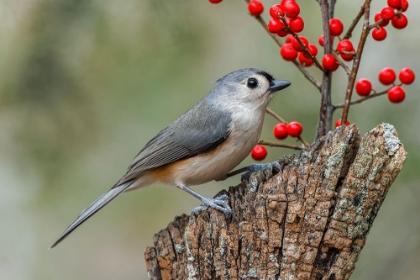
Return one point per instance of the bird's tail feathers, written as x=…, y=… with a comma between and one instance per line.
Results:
x=93, y=208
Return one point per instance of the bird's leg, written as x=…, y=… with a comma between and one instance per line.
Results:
x=216, y=203
x=273, y=166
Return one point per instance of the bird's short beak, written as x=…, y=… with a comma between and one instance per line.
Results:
x=277, y=85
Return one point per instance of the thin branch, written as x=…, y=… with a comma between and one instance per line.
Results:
x=356, y=62
x=305, y=73
x=332, y=8
x=271, y=112
x=349, y=32
x=340, y=62
x=360, y=100
x=326, y=108
x=277, y=144
x=304, y=142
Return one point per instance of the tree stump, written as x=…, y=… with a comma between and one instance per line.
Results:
x=309, y=221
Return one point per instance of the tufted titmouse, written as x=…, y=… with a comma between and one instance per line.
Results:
x=202, y=145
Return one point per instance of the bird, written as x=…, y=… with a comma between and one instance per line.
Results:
x=204, y=144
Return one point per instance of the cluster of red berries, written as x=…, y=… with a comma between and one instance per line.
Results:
x=283, y=16
x=281, y=131
x=344, y=48
x=285, y=21
x=294, y=48
x=387, y=76
x=394, y=13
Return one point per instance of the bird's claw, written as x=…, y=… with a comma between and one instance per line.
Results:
x=218, y=203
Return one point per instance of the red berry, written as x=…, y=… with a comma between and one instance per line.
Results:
x=288, y=52
x=396, y=4
x=338, y=123
x=294, y=129
x=387, y=76
x=378, y=17
x=275, y=26
x=379, y=33
x=399, y=21
x=407, y=76
x=344, y=45
x=290, y=39
x=348, y=57
x=291, y=9
x=336, y=27
x=396, y=94
x=335, y=67
x=215, y=1
x=284, y=1
x=296, y=24
x=280, y=131
x=307, y=62
x=276, y=11
x=404, y=5
x=259, y=152
x=363, y=87
x=255, y=7
x=313, y=50
x=329, y=62
x=387, y=13
x=297, y=46
x=321, y=40
x=282, y=33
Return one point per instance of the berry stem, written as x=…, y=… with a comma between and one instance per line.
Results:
x=381, y=21
x=278, y=144
x=342, y=64
x=277, y=117
x=360, y=100
x=305, y=73
x=326, y=107
x=347, y=52
x=356, y=20
x=356, y=62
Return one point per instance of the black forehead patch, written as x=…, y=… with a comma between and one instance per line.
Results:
x=266, y=75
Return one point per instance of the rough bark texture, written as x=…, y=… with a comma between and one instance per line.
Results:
x=309, y=221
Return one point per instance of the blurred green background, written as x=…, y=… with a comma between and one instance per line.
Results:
x=85, y=84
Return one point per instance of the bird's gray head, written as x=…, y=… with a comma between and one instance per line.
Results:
x=249, y=85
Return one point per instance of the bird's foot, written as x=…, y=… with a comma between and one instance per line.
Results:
x=218, y=203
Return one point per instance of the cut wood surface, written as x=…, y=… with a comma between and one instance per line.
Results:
x=309, y=221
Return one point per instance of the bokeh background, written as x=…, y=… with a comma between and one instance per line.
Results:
x=85, y=84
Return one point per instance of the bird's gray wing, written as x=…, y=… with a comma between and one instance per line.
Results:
x=191, y=134
x=200, y=130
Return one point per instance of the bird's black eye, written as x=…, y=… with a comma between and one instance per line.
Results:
x=252, y=83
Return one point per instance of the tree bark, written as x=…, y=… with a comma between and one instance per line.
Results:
x=309, y=221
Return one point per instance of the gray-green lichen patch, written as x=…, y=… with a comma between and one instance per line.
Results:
x=392, y=143
x=336, y=159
